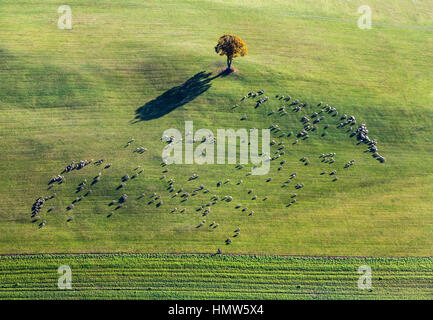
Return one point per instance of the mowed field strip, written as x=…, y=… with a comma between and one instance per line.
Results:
x=218, y=277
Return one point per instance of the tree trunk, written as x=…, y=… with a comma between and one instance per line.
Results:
x=229, y=63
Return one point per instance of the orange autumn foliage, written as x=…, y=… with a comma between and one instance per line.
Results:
x=232, y=47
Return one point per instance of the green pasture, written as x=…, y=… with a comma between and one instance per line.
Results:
x=212, y=277
x=67, y=95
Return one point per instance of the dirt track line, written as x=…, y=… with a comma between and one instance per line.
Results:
x=207, y=254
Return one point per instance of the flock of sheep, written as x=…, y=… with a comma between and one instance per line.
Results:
x=173, y=190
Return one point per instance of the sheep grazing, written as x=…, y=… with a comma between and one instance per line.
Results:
x=37, y=206
x=140, y=150
x=228, y=241
x=260, y=101
x=81, y=164
x=100, y=161
x=350, y=163
x=36, y=219
x=96, y=179
x=245, y=117
x=333, y=172
x=76, y=166
x=265, y=198
x=193, y=177
x=123, y=198
x=57, y=178
x=302, y=133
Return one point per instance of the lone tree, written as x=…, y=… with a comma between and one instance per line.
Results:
x=232, y=47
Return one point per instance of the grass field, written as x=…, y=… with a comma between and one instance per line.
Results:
x=67, y=95
x=218, y=277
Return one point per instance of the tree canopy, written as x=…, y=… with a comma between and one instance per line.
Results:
x=232, y=47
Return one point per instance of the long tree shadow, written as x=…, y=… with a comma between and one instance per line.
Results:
x=175, y=97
